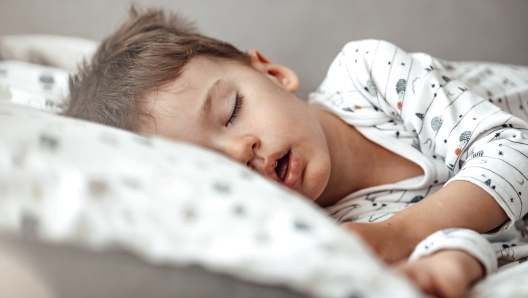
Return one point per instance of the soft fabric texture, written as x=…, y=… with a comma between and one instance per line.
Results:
x=458, y=239
x=457, y=120
x=70, y=181
x=65, y=181
x=457, y=115
x=50, y=50
x=37, y=86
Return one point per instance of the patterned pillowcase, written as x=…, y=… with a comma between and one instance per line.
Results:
x=69, y=181
x=40, y=87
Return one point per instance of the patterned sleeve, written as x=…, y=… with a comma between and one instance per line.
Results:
x=468, y=241
x=477, y=140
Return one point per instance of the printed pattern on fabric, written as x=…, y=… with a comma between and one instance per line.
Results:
x=37, y=86
x=459, y=239
x=67, y=181
x=457, y=120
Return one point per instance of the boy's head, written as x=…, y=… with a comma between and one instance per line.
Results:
x=149, y=50
x=156, y=75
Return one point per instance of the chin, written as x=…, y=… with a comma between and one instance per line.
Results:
x=317, y=186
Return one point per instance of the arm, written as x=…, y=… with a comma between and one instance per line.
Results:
x=479, y=146
x=483, y=149
x=459, y=204
x=466, y=136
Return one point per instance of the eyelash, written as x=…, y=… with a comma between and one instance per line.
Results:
x=238, y=105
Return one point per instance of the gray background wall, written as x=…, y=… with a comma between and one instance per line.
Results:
x=306, y=34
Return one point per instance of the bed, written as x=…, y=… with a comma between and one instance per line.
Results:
x=88, y=210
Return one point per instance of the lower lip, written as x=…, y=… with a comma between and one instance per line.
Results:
x=294, y=171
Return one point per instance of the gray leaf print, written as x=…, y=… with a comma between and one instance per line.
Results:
x=436, y=123
x=371, y=88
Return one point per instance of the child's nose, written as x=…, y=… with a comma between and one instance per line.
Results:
x=242, y=149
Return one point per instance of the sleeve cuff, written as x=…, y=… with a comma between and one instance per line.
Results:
x=461, y=239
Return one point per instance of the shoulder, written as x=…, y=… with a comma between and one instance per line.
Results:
x=359, y=58
x=371, y=47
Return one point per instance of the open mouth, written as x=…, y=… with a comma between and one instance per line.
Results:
x=281, y=167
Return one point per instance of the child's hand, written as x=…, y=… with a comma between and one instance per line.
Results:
x=446, y=273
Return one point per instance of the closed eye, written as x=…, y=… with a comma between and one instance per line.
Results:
x=236, y=109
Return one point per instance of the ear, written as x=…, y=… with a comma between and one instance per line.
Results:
x=276, y=72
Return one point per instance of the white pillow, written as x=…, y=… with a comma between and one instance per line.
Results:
x=40, y=87
x=52, y=50
x=69, y=181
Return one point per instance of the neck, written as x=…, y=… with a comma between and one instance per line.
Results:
x=358, y=163
x=354, y=159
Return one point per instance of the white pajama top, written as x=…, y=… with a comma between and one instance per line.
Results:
x=457, y=120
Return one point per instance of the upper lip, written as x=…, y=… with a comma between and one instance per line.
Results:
x=270, y=162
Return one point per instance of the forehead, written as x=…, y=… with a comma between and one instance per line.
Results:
x=173, y=107
x=197, y=77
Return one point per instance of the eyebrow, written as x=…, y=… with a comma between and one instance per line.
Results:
x=208, y=102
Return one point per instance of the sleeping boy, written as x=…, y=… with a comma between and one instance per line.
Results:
x=416, y=155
